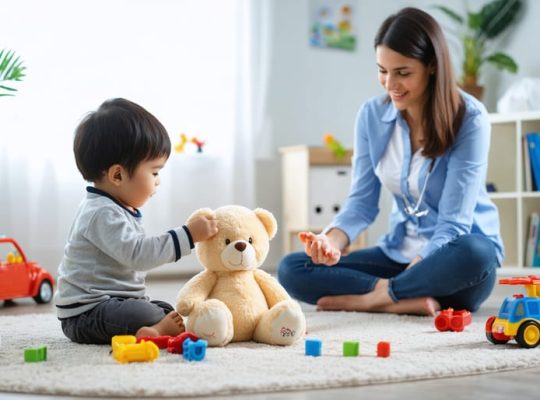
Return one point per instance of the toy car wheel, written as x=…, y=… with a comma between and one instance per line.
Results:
x=528, y=334
x=45, y=293
x=494, y=337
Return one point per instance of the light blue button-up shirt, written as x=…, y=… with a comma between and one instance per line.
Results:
x=455, y=194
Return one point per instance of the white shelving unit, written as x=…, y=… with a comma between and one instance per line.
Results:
x=507, y=171
x=314, y=185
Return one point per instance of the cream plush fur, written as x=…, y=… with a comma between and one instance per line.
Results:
x=233, y=300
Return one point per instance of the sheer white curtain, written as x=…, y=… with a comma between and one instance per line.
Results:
x=188, y=62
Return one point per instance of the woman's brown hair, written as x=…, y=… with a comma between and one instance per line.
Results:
x=415, y=34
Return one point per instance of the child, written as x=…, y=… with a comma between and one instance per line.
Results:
x=121, y=148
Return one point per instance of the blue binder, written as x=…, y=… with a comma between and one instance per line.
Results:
x=533, y=143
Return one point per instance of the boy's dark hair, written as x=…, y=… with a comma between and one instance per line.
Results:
x=119, y=132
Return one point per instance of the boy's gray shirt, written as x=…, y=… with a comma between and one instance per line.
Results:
x=107, y=255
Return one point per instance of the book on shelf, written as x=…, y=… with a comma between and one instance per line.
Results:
x=533, y=145
x=532, y=254
x=527, y=164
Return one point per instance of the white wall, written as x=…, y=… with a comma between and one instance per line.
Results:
x=313, y=90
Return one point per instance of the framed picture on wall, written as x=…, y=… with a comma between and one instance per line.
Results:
x=331, y=24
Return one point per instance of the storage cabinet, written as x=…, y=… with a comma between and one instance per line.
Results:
x=314, y=185
x=507, y=170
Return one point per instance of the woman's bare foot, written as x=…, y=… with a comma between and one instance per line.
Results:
x=420, y=306
x=379, y=300
x=171, y=325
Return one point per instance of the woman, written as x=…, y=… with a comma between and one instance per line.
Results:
x=427, y=143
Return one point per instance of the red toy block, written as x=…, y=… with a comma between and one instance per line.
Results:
x=383, y=349
x=176, y=343
x=160, y=341
x=450, y=320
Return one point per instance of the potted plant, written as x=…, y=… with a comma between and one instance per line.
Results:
x=11, y=69
x=479, y=29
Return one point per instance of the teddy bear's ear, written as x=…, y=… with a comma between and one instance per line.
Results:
x=202, y=212
x=268, y=220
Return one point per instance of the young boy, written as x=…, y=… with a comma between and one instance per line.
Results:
x=121, y=148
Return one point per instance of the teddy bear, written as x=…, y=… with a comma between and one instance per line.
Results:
x=232, y=300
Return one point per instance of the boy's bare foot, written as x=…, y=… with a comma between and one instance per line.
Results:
x=171, y=325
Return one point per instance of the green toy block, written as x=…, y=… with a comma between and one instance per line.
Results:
x=35, y=354
x=351, y=349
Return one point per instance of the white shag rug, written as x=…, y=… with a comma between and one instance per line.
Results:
x=419, y=351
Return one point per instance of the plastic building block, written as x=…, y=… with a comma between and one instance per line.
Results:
x=194, y=351
x=175, y=344
x=313, y=347
x=519, y=315
x=35, y=354
x=160, y=341
x=450, y=320
x=20, y=277
x=126, y=349
x=383, y=349
x=351, y=349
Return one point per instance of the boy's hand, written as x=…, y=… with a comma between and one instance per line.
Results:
x=202, y=228
x=319, y=248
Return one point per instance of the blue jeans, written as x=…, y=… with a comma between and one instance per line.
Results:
x=461, y=274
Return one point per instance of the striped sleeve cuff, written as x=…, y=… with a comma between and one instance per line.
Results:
x=183, y=243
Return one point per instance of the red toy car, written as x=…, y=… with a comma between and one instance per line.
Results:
x=450, y=320
x=20, y=277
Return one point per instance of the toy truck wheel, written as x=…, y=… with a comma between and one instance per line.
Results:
x=493, y=337
x=45, y=293
x=528, y=334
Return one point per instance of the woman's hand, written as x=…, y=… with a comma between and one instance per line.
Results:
x=320, y=248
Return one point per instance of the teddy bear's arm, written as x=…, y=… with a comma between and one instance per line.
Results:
x=194, y=291
x=270, y=287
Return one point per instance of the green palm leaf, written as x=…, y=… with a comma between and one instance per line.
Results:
x=11, y=70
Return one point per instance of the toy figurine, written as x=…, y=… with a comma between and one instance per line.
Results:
x=198, y=143
x=333, y=144
x=179, y=148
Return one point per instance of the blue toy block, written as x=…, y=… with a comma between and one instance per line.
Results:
x=313, y=347
x=194, y=351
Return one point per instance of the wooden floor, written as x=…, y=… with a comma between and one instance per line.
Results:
x=521, y=384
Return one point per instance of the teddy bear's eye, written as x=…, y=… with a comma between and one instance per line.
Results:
x=227, y=242
x=250, y=240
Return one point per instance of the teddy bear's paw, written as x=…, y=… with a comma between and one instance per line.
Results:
x=284, y=324
x=214, y=325
x=288, y=326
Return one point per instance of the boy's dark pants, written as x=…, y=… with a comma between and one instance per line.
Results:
x=116, y=316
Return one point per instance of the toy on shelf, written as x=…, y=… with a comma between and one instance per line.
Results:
x=179, y=147
x=333, y=144
x=519, y=315
x=22, y=278
x=450, y=320
x=176, y=343
x=35, y=354
x=184, y=139
x=198, y=143
x=126, y=349
x=313, y=347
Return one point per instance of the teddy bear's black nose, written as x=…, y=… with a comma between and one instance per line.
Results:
x=240, y=246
